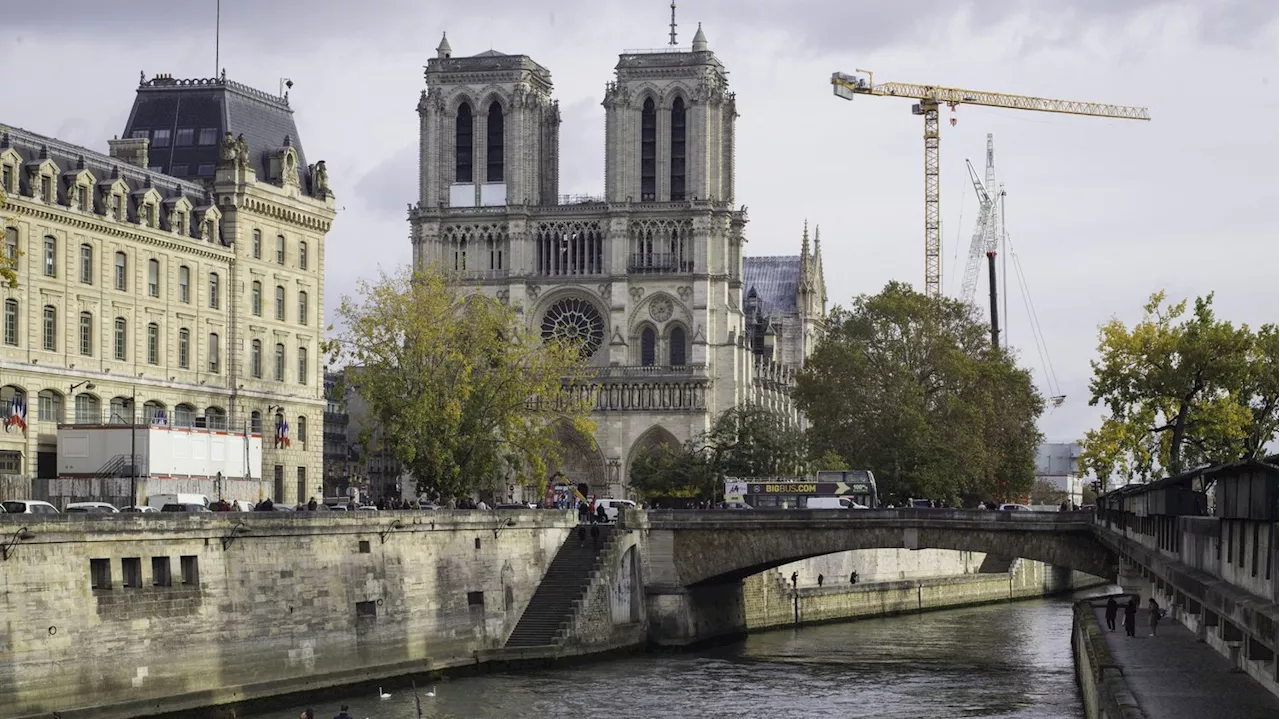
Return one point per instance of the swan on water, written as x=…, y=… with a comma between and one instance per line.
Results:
x=382, y=694
x=432, y=692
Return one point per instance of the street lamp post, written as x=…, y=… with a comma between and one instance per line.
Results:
x=133, y=447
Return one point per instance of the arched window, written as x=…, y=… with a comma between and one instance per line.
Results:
x=302, y=255
x=493, y=143
x=648, y=151
x=153, y=343
x=215, y=418
x=300, y=432
x=184, y=348
x=279, y=363
x=648, y=346
x=121, y=411
x=122, y=272
x=184, y=415
x=302, y=308
x=153, y=278
x=280, y=303
x=51, y=406
x=255, y=359
x=11, y=322
x=463, y=145
x=87, y=409
x=50, y=330
x=677, y=149
x=153, y=413
x=678, y=349
x=255, y=422
x=255, y=299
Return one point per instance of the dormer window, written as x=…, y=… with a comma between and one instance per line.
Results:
x=180, y=222
x=117, y=207
x=82, y=198
x=46, y=188
x=210, y=230
x=6, y=176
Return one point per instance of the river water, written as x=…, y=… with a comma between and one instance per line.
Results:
x=1000, y=660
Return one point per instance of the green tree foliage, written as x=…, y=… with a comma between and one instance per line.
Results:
x=457, y=388
x=8, y=265
x=1046, y=492
x=742, y=442
x=910, y=388
x=1181, y=390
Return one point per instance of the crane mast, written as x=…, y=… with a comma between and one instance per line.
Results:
x=931, y=97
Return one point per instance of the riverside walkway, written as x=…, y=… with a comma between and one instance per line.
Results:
x=1175, y=677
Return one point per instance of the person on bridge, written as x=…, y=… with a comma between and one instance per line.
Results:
x=1112, y=609
x=1131, y=616
x=794, y=576
x=819, y=581
x=853, y=578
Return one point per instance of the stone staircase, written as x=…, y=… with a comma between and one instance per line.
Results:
x=565, y=582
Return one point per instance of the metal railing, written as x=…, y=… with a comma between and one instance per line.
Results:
x=642, y=263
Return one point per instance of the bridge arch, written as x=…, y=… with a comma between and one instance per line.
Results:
x=696, y=549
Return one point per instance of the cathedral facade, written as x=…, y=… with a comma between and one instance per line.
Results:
x=650, y=278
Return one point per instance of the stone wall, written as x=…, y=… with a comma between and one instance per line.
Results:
x=253, y=605
x=1102, y=685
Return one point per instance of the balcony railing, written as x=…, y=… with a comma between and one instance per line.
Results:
x=650, y=371
x=647, y=263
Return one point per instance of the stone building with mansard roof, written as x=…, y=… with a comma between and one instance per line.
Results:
x=651, y=276
x=184, y=266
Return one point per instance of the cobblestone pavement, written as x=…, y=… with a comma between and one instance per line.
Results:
x=1175, y=677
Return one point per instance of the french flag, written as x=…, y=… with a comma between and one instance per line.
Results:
x=282, y=434
x=17, y=414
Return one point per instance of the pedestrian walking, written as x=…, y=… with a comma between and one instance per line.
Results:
x=342, y=714
x=853, y=578
x=582, y=535
x=819, y=581
x=1131, y=616
x=1155, y=612
x=582, y=512
x=595, y=535
x=1112, y=609
x=794, y=576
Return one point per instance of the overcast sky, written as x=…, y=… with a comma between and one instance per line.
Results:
x=1101, y=212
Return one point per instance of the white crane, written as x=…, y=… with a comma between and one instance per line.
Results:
x=986, y=233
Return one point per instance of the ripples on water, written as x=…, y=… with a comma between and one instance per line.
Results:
x=1004, y=660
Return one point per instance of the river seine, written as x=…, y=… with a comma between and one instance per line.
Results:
x=1002, y=660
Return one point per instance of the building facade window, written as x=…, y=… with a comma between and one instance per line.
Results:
x=648, y=151
x=46, y=188
x=11, y=244
x=82, y=198
x=50, y=406
x=279, y=363
x=279, y=249
x=184, y=137
x=678, y=351
x=302, y=308
x=209, y=136
x=50, y=328
x=117, y=207
x=493, y=144
x=184, y=285
x=213, y=352
x=677, y=149
x=302, y=255
x=463, y=145
x=255, y=359
x=11, y=322
x=255, y=299
x=153, y=278
x=302, y=365
x=122, y=272
x=184, y=348
x=153, y=343
x=257, y=244
x=255, y=422
x=279, y=303
x=87, y=409
x=86, y=334
x=50, y=256
x=184, y=415
x=122, y=339
x=160, y=138
x=300, y=434
x=648, y=346
x=214, y=296
x=86, y=264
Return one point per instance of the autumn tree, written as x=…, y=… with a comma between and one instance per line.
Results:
x=1181, y=390
x=909, y=387
x=8, y=256
x=458, y=389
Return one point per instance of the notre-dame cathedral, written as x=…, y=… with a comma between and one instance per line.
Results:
x=650, y=277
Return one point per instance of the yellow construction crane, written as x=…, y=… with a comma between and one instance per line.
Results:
x=931, y=97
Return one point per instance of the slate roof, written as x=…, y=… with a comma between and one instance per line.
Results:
x=68, y=157
x=218, y=104
x=774, y=280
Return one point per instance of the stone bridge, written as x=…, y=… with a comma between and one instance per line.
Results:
x=695, y=561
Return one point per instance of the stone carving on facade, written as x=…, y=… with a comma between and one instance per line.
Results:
x=228, y=152
x=685, y=292
x=320, y=179
x=660, y=308
x=606, y=291
x=533, y=291
x=242, y=151
x=636, y=293
x=616, y=96
x=504, y=296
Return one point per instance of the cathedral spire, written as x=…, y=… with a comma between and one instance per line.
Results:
x=804, y=245
x=806, y=262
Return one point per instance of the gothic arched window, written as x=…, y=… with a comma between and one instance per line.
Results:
x=463, y=145
x=677, y=149
x=493, y=143
x=648, y=151
x=677, y=347
x=648, y=346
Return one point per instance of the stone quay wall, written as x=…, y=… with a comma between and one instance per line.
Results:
x=1102, y=684
x=127, y=615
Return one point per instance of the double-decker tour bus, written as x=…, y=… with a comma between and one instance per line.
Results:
x=858, y=485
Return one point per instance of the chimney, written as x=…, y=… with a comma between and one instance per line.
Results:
x=132, y=150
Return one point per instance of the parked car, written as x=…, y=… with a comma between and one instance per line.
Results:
x=91, y=508
x=611, y=507
x=28, y=506
x=515, y=505
x=1015, y=508
x=190, y=507
x=735, y=505
x=142, y=510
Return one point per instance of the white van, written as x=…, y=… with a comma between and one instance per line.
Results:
x=159, y=500
x=832, y=503
x=611, y=507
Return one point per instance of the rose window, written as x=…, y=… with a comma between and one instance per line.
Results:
x=576, y=321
